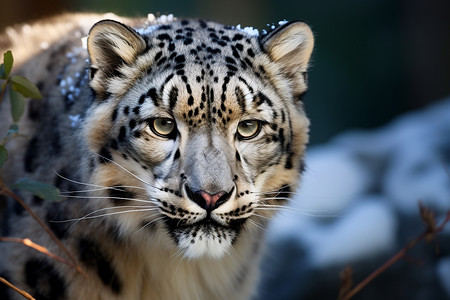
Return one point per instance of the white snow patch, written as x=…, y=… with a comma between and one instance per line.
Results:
x=165, y=19
x=332, y=181
x=249, y=30
x=443, y=272
x=368, y=229
x=75, y=120
x=147, y=30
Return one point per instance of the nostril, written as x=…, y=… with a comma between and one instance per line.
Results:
x=206, y=200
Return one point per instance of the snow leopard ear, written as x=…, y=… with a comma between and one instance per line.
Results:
x=111, y=44
x=291, y=46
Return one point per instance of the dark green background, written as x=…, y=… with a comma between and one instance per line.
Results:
x=373, y=59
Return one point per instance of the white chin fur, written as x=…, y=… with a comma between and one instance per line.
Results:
x=206, y=246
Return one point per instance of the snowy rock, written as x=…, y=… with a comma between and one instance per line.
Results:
x=332, y=181
x=358, y=203
x=366, y=230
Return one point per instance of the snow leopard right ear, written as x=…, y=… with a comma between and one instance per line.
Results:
x=290, y=45
x=110, y=45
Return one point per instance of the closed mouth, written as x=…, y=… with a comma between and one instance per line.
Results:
x=207, y=222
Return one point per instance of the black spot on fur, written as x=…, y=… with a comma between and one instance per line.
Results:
x=284, y=192
x=238, y=37
x=62, y=183
x=117, y=193
x=177, y=155
x=180, y=59
x=122, y=133
x=114, y=145
x=173, y=97
x=238, y=157
x=44, y=281
x=94, y=258
x=55, y=214
x=153, y=95
x=34, y=110
x=114, y=115
x=142, y=99
x=263, y=99
x=105, y=155
x=288, y=164
x=163, y=37
x=132, y=123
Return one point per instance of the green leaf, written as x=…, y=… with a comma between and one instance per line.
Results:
x=3, y=155
x=40, y=189
x=17, y=105
x=25, y=87
x=8, y=61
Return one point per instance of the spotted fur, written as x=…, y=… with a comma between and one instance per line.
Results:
x=144, y=130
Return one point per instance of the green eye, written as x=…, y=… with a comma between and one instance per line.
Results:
x=248, y=129
x=163, y=127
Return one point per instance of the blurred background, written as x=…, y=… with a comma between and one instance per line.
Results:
x=380, y=138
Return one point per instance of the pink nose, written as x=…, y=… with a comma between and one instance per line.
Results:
x=211, y=200
x=208, y=201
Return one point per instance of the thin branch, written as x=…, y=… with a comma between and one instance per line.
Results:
x=12, y=286
x=425, y=235
x=5, y=190
x=37, y=247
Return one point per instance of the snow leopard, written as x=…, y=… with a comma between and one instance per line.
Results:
x=173, y=143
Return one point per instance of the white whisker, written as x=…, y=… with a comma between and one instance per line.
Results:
x=90, y=215
x=311, y=213
x=116, y=198
x=117, y=187
x=257, y=225
x=128, y=172
x=274, y=191
x=148, y=223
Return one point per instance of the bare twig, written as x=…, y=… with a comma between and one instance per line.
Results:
x=5, y=190
x=37, y=247
x=12, y=286
x=428, y=235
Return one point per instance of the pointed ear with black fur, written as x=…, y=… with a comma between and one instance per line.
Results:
x=110, y=45
x=291, y=45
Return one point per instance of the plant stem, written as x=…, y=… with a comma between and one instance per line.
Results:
x=5, y=190
x=394, y=259
x=22, y=292
x=29, y=243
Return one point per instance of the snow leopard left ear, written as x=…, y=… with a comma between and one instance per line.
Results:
x=111, y=44
x=291, y=45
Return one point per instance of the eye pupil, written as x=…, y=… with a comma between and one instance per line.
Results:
x=248, y=129
x=163, y=127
